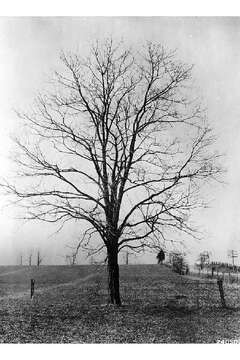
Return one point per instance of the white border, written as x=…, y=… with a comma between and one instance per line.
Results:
x=120, y=8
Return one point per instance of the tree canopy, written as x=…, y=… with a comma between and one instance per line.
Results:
x=119, y=143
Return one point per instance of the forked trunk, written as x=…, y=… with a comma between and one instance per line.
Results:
x=113, y=276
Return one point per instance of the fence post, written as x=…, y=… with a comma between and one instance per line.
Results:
x=32, y=287
x=198, y=294
x=221, y=291
x=213, y=271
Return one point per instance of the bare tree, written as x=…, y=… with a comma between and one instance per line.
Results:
x=179, y=263
x=127, y=258
x=120, y=145
x=67, y=259
x=39, y=258
x=204, y=259
x=30, y=259
x=71, y=259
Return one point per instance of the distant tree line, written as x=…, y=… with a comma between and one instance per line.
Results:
x=216, y=267
x=224, y=267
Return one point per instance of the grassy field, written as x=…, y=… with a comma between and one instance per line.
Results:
x=71, y=306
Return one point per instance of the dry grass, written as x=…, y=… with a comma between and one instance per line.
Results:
x=71, y=306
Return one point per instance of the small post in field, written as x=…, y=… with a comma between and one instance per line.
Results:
x=221, y=291
x=32, y=287
x=198, y=294
x=213, y=269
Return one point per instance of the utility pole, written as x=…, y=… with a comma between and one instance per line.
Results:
x=233, y=254
x=21, y=258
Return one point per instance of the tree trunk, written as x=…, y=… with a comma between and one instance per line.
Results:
x=113, y=276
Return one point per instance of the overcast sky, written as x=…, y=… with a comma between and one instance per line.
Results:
x=29, y=51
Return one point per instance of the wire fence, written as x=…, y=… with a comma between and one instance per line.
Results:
x=183, y=292
x=165, y=288
x=209, y=294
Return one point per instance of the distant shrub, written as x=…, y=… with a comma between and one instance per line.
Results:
x=179, y=264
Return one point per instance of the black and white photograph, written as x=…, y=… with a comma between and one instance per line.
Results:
x=120, y=180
